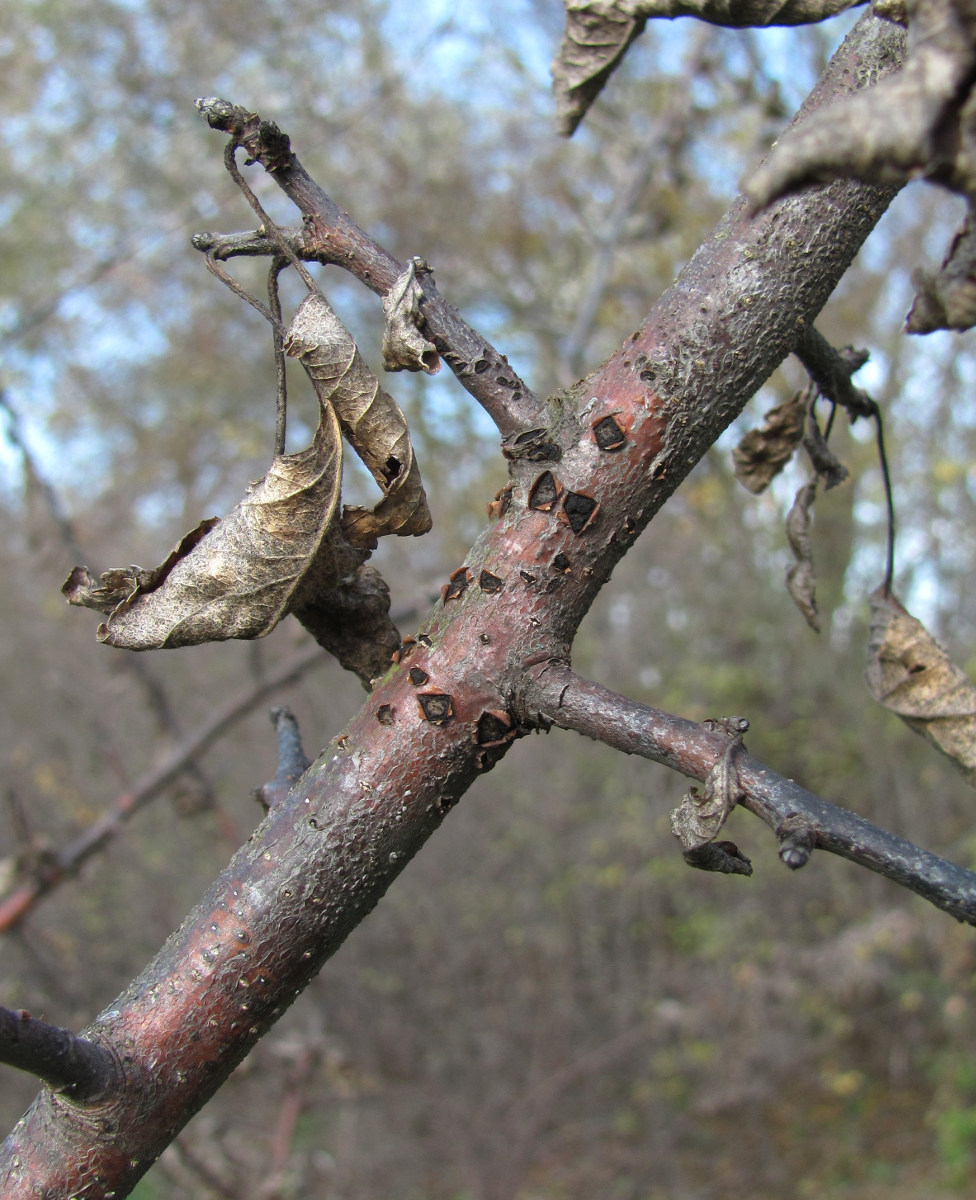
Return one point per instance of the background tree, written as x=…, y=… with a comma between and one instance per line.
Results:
x=595, y=948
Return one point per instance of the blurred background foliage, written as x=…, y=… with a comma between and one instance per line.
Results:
x=548, y=1004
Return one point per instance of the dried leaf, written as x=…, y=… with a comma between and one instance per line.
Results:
x=918, y=122
x=122, y=584
x=946, y=299
x=827, y=465
x=234, y=578
x=700, y=815
x=370, y=419
x=599, y=32
x=724, y=857
x=404, y=347
x=800, y=578
x=763, y=453
x=911, y=674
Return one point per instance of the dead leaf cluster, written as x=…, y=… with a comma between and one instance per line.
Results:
x=285, y=545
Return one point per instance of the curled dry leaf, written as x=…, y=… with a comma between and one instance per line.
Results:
x=234, y=578
x=800, y=578
x=370, y=419
x=827, y=465
x=599, y=32
x=724, y=857
x=404, y=346
x=700, y=815
x=763, y=453
x=911, y=674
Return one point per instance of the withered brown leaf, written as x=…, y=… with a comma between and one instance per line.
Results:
x=800, y=578
x=912, y=675
x=370, y=419
x=763, y=453
x=404, y=346
x=234, y=578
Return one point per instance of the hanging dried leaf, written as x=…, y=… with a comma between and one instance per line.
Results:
x=911, y=674
x=599, y=32
x=724, y=857
x=800, y=578
x=918, y=123
x=404, y=347
x=827, y=465
x=763, y=453
x=946, y=299
x=370, y=419
x=234, y=578
x=700, y=815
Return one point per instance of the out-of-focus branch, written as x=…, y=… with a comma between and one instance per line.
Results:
x=155, y=693
x=330, y=236
x=59, y=865
x=74, y=1065
x=557, y=696
x=292, y=759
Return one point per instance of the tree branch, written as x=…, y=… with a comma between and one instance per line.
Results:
x=330, y=236
x=621, y=442
x=798, y=817
x=82, y=1069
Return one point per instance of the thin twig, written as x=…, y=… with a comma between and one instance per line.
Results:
x=559, y=696
x=330, y=236
x=278, y=342
x=270, y=228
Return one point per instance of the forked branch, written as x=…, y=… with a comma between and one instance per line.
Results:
x=330, y=236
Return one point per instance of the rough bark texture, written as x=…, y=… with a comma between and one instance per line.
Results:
x=617, y=444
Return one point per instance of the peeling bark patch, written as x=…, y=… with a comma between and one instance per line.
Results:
x=401, y=652
x=608, y=434
x=386, y=714
x=456, y=585
x=418, y=677
x=527, y=576
x=498, y=507
x=579, y=510
x=544, y=492
x=490, y=583
x=534, y=445
x=561, y=564
x=436, y=707
x=424, y=640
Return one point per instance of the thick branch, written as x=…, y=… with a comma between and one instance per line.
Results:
x=557, y=695
x=330, y=236
x=71, y=1064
